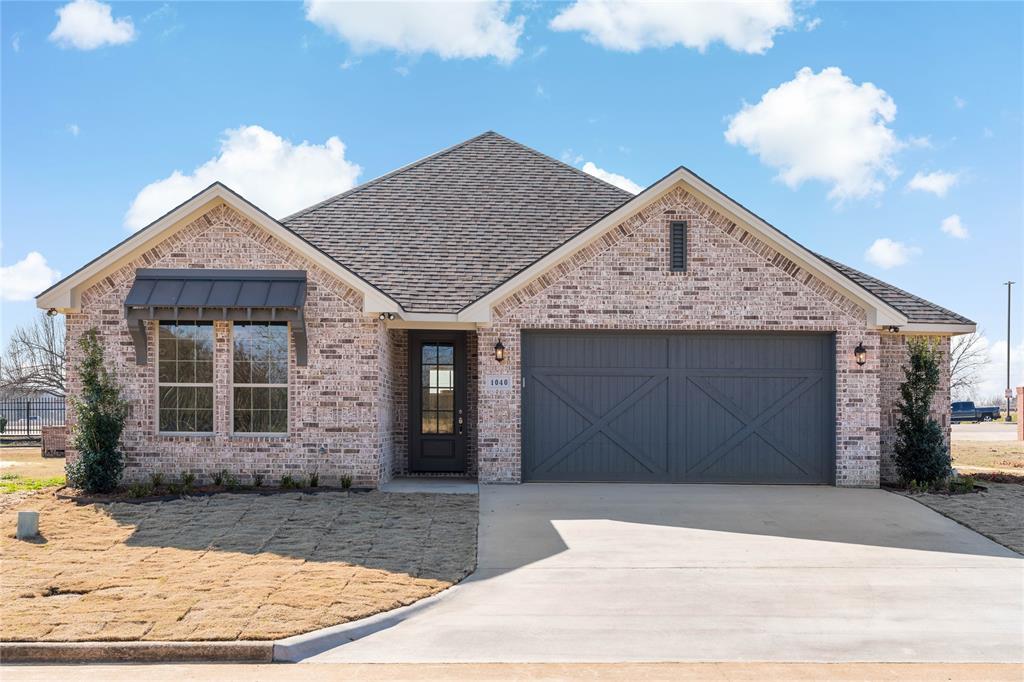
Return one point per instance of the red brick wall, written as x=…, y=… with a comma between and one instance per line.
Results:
x=337, y=403
x=734, y=281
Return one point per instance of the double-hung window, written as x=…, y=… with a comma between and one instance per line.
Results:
x=185, y=377
x=260, y=377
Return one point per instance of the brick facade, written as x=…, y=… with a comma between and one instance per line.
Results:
x=338, y=403
x=348, y=408
x=893, y=356
x=734, y=282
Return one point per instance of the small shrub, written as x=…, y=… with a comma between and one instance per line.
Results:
x=100, y=413
x=314, y=480
x=921, y=452
x=157, y=479
x=961, y=484
x=257, y=479
x=346, y=482
x=218, y=478
x=176, y=488
x=231, y=481
x=188, y=480
x=140, y=489
x=3, y=424
x=289, y=482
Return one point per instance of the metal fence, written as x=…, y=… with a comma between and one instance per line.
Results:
x=27, y=416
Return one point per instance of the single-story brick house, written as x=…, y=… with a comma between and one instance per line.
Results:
x=491, y=312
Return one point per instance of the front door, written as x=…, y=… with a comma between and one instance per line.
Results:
x=437, y=401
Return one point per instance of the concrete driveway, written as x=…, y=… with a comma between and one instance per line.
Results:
x=596, y=573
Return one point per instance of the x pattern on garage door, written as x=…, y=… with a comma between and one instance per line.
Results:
x=693, y=407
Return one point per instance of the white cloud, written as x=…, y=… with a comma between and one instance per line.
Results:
x=959, y=102
x=16, y=42
x=954, y=227
x=74, y=129
x=453, y=30
x=812, y=24
x=349, y=64
x=620, y=181
x=277, y=175
x=938, y=183
x=26, y=278
x=922, y=142
x=886, y=253
x=88, y=24
x=636, y=25
x=822, y=127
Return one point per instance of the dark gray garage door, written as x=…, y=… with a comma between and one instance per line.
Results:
x=695, y=407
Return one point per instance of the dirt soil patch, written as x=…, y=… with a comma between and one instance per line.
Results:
x=997, y=513
x=228, y=566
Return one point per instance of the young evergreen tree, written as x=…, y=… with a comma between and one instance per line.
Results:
x=921, y=452
x=100, y=413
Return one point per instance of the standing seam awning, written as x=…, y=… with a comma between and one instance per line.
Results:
x=237, y=295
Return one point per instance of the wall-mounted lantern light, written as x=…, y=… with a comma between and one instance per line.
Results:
x=386, y=316
x=893, y=329
x=499, y=351
x=51, y=312
x=860, y=353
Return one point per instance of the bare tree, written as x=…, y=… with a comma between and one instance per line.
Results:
x=968, y=356
x=34, y=358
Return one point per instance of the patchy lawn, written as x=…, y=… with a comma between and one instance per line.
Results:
x=988, y=455
x=997, y=514
x=29, y=463
x=228, y=566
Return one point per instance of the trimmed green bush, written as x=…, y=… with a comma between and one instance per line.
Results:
x=100, y=413
x=921, y=452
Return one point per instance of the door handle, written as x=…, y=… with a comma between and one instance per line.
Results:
x=460, y=422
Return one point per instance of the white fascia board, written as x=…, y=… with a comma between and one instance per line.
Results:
x=879, y=312
x=939, y=328
x=65, y=296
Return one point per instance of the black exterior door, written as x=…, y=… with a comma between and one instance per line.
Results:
x=437, y=401
x=679, y=407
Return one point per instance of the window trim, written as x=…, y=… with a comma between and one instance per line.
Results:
x=287, y=386
x=684, y=230
x=156, y=376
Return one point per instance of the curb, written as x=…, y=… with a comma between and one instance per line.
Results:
x=136, y=652
x=300, y=647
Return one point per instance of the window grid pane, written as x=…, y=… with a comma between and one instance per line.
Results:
x=185, y=377
x=260, y=377
x=437, y=409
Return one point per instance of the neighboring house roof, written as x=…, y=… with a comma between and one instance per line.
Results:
x=443, y=239
x=917, y=309
x=442, y=232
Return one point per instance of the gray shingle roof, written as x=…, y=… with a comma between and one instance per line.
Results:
x=915, y=308
x=440, y=233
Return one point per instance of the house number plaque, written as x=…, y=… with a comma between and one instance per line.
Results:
x=498, y=382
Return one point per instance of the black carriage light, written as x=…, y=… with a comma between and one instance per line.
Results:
x=499, y=351
x=860, y=353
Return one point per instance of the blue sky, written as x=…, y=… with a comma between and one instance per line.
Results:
x=816, y=116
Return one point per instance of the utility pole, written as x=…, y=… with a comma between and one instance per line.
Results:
x=1009, y=288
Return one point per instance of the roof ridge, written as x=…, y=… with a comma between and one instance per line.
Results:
x=831, y=262
x=571, y=167
x=389, y=174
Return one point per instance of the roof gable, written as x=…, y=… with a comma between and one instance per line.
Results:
x=442, y=232
x=65, y=295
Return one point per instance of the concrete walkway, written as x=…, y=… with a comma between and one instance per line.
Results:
x=604, y=573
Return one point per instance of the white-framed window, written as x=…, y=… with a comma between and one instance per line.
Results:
x=260, y=377
x=185, y=377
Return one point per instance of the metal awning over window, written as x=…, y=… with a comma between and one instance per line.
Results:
x=237, y=295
